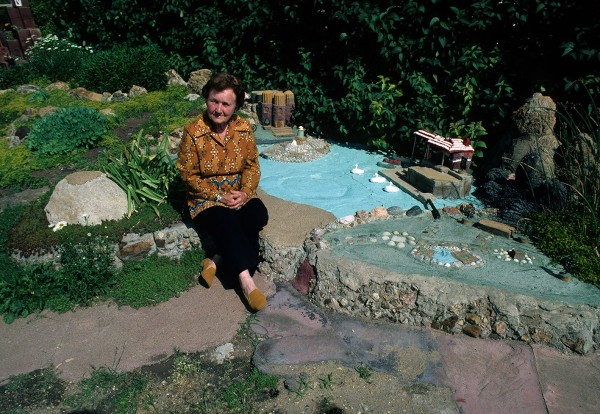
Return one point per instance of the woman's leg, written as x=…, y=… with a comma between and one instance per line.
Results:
x=235, y=233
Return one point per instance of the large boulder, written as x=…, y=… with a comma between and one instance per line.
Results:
x=87, y=198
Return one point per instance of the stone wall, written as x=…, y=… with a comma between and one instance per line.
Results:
x=359, y=289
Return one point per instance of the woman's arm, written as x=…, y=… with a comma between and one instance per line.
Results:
x=251, y=168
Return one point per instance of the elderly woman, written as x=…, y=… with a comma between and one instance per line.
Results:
x=218, y=162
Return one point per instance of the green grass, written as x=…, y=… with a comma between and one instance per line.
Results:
x=155, y=279
x=237, y=395
x=364, y=372
x=109, y=391
x=559, y=236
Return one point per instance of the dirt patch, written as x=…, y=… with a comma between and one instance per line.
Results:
x=196, y=383
x=131, y=126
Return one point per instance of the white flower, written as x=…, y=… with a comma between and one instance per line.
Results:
x=59, y=225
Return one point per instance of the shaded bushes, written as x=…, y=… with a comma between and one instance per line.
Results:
x=121, y=67
x=54, y=59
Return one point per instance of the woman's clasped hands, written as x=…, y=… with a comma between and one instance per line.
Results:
x=234, y=199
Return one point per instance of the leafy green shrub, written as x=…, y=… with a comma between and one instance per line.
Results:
x=559, y=236
x=25, y=291
x=66, y=129
x=143, y=172
x=15, y=75
x=122, y=67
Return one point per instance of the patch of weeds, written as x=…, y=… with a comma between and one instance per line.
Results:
x=185, y=367
x=155, y=279
x=86, y=270
x=109, y=391
x=301, y=386
x=239, y=395
x=83, y=274
x=327, y=382
x=37, y=389
x=245, y=330
x=364, y=372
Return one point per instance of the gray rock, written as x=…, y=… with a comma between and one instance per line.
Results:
x=197, y=80
x=395, y=211
x=87, y=198
x=136, y=91
x=173, y=78
x=119, y=96
x=414, y=211
x=222, y=353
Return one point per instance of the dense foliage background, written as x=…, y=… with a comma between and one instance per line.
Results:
x=364, y=71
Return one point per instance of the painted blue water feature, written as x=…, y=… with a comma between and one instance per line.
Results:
x=329, y=184
x=443, y=255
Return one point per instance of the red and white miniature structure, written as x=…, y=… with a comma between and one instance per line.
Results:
x=459, y=151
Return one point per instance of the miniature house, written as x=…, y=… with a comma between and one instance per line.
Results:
x=457, y=151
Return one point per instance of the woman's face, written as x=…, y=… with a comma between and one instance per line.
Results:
x=220, y=105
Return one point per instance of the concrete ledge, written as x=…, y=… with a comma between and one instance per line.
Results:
x=356, y=288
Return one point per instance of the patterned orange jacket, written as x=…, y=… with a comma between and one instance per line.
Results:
x=210, y=167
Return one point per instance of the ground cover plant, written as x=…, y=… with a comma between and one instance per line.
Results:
x=21, y=166
x=84, y=273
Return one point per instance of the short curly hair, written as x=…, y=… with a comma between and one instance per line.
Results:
x=221, y=81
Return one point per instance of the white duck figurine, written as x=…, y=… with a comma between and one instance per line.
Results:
x=377, y=178
x=357, y=170
x=391, y=188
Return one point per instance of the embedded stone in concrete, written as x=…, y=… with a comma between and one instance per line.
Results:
x=501, y=297
x=494, y=227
